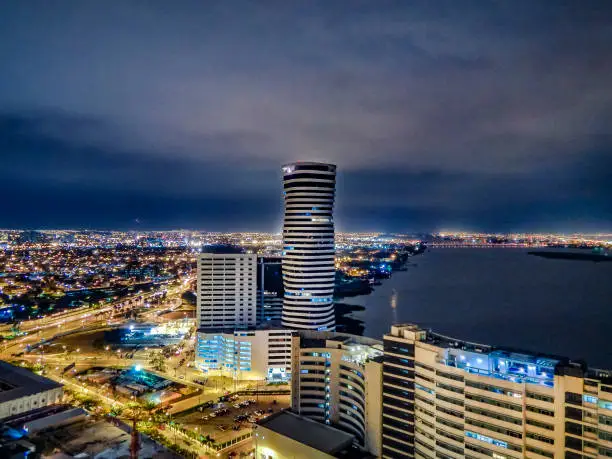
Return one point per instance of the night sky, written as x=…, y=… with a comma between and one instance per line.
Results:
x=485, y=115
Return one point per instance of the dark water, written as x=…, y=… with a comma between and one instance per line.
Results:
x=503, y=297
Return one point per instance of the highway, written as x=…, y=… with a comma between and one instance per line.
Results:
x=53, y=326
x=112, y=309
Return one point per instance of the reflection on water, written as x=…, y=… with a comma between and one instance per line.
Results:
x=394, y=298
x=503, y=297
x=394, y=305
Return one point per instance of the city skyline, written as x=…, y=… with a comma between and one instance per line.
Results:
x=322, y=229
x=489, y=117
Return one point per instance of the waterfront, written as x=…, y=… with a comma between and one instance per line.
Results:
x=503, y=297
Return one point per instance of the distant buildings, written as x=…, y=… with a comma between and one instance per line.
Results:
x=444, y=397
x=22, y=391
x=308, y=246
x=32, y=237
x=227, y=288
x=286, y=435
x=337, y=380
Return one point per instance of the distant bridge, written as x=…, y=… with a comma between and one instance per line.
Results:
x=476, y=245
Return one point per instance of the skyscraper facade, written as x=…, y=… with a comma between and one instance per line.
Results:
x=269, y=289
x=308, y=246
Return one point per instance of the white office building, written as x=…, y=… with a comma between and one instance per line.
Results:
x=247, y=354
x=227, y=288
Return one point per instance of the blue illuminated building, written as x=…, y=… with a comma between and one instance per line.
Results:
x=245, y=354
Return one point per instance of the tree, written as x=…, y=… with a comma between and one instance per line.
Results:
x=148, y=406
x=157, y=361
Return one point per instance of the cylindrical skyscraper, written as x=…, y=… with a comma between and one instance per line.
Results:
x=308, y=246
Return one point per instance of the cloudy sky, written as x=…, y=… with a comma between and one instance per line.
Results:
x=492, y=115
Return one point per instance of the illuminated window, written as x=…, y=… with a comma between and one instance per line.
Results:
x=486, y=439
x=605, y=405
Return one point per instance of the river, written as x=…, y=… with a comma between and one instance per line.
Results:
x=502, y=297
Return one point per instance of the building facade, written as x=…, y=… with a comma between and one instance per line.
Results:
x=246, y=354
x=22, y=391
x=308, y=246
x=448, y=398
x=337, y=380
x=269, y=290
x=227, y=289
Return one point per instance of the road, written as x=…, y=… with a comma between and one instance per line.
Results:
x=85, y=313
x=50, y=327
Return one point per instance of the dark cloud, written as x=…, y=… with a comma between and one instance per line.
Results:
x=439, y=114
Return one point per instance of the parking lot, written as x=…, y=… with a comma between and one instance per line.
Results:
x=229, y=419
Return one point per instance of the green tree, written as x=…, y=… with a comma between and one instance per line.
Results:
x=157, y=361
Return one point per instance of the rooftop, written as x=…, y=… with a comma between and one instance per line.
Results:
x=503, y=362
x=265, y=326
x=311, y=433
x=311, y=338
x=223, y=249
x=448, y=342
x=16, y=382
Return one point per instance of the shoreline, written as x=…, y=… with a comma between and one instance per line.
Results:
x=346, y=322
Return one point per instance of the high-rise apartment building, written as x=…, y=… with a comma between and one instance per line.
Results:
x=308, y=246
x=269, y=289
x=337, y=380
x=446, y=398
x=227, y=288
